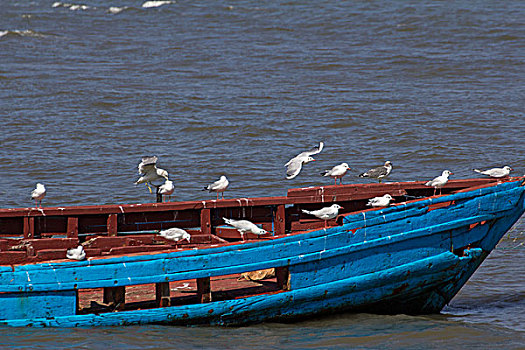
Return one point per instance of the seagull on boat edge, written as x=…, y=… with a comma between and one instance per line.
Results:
x=439, y=181
x=218, y=186
x=496, y=172
x=38, y=194
x=167, y=189
x=294, y=165
x=383, y=201
x=326, y=213
x=337, y=172
x=245, y=226
x=379, y=172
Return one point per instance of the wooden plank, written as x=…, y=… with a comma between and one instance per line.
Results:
x=162, y=294
x=29, y=227
x=206, y=222
x=282, y=275
x=204, y=290
x=280, y=220
x=72, y=227
x=115, y=296
x=112, y=225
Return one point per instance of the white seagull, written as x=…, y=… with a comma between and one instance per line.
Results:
x=439, y=181
x=294, y=165
x=383, y=201
x=337, y=172
x=150, y=173
x=245, y=226
x=218, y=186
x=77, y=253
x=379, y=172
x=175, y=234
x=167, y=188
x=326, y=213
x=38, y=194
x=496, y=172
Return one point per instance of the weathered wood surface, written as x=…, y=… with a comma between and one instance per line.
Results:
x=367, y=257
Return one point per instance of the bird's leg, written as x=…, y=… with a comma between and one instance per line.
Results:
x=149, y=188
x=217, y=195
x=222, y=194
x=325, y=223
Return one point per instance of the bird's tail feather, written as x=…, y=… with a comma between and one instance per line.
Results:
x=305, y=211
x=228, y=221
x=325, y=173
x=477, y=170
x=363, y=175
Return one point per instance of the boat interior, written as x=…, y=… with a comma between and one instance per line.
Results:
x=33, y=235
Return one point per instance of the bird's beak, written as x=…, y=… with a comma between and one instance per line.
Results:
x=393, y=199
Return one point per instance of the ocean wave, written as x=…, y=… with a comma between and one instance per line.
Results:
x=114, y=9
x=72, y=7
x=156, y=3
x=27, y=32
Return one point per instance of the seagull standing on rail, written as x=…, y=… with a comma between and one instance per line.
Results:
x=379, y=172
x=496, y=172
x=218, y=186
x=439, y=181
x=326, y=213
x=337, y=172
x=245, y=226
x=167, y=189
x=294, y=165
x=38, y=194
x=150, y=173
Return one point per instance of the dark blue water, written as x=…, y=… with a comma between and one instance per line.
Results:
x=238, y=88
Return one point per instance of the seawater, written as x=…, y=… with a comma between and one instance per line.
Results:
x=238, y=88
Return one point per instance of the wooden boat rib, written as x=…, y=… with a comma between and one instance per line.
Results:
x=411, y=257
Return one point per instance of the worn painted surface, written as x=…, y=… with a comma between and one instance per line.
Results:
x=412, y=257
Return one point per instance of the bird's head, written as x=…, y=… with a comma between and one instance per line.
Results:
x=308, y=160
x=507, y=168
x=337, y=206
x=447, y=173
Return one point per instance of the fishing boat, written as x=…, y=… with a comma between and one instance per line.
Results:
x=410, y=257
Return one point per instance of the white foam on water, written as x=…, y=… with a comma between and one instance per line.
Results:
x=150, y=4
x=114, y=9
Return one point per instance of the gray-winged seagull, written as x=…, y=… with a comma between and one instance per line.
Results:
x=379, y=172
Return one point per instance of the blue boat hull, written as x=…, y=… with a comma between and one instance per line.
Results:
x=410, y=258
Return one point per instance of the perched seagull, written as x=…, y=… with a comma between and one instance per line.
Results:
x=379, y=172
x=439, y=181
x=77, y=253
x=337, y=172
x=150, y=173
x=218, y=186
x=383, y=201
x=496, y=172
x=38, y=194
x=175, y=234
x=167, y=188
x=326, y=213
x=294, y=165
x=245, y=226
